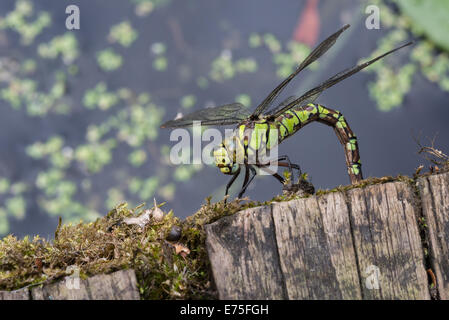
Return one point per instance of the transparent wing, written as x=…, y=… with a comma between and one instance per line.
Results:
x=222, y=115
x=313, y=56
x=289, y=100
x=332, y=81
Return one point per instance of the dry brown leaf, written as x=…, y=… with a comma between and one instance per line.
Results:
x=181, y=249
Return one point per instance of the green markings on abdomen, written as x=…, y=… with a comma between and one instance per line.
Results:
x=294, y=119
x=355, y=168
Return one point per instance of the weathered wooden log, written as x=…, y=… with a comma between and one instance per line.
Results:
x=245, y=246
x=315, y=248
x=21, y=294
x=387, y=241
x=434, y=191
x=120, y=285
x=360, y=244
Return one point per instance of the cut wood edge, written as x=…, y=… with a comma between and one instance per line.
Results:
x=120, y=285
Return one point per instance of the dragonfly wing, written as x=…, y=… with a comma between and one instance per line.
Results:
x=289, y=100
x=333, y=81
x=313, y=56
x=222, y=115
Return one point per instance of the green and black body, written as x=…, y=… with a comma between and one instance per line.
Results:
x=259, y=132
x=257, y=135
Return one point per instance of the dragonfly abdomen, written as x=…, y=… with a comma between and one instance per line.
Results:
x=256, y=137
x=289, y=122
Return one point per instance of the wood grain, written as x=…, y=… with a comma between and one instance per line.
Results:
x=434, y=191
x=244, y=258
x=387, y=240
x=361, y=244
x=120, y=285
x=316, y=249
x=21, y=294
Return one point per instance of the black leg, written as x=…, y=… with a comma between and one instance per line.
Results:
x=286, y=164
x=231, y=182
x=247, y=181
x=242, y=190
x=274, y=174
x=290, y=167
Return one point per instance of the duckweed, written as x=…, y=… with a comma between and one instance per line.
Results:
x=109, y=60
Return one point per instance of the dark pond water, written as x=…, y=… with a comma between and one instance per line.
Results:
x=195, y=33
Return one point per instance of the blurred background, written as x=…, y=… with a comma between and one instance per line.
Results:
x=80, y=110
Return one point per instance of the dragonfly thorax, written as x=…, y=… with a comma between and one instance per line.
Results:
x=225, y=159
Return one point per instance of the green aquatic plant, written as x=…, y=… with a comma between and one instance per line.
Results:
x=137, y=158
x=22, y=91
x=58, y=197
x=286, y=61
x=109, y=60
x=188, y=101
x=392, y=83
x=20, y=20
x=13, y=203
x=99, y=97
x=160, y=63
x=4, y=185
x=430, y=18
x=185, y=172
x=53, y=149
x=144, y=188
x=94, y=156
x=16, y=206
x=244, y=99
x=224, y=68
x=145, y=7
x=65, y=46
x=123, y=33
x=202, y=82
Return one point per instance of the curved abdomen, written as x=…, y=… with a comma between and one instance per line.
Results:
x=294, y=119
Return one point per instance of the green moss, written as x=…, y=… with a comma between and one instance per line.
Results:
x=107, y=245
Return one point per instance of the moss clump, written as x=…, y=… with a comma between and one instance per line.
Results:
x=108, y=244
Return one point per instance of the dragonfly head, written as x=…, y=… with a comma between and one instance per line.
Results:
x=223, y=160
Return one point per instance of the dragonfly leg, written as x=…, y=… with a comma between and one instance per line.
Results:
x=231, y=182
x=274, y=174
x=250, y=173
x=290, y=167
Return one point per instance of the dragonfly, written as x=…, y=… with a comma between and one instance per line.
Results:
x=266, y=127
